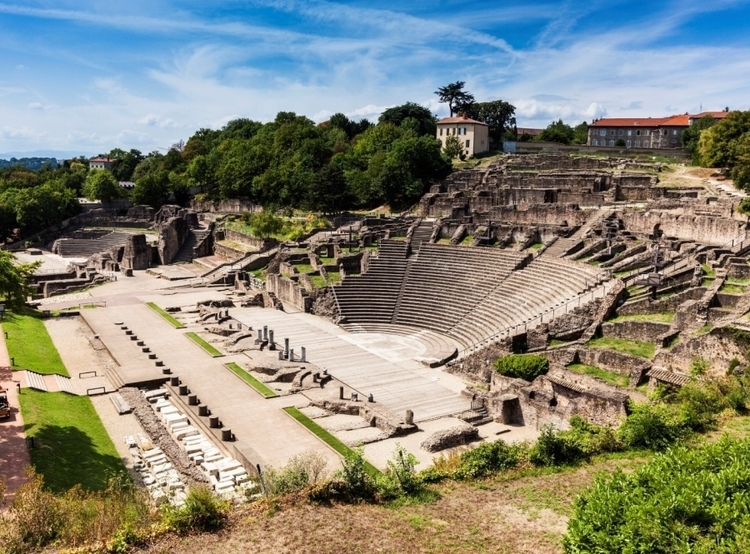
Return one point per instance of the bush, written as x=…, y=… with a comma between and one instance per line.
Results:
x=488, y=458
x=400, y=478
x=686, y=500
x=650, y=426
x=203, y=511
x=302, y=471
x=699, y=366
x=553, y=448
x=700, y=403
x=358, y=484
x=522, y=366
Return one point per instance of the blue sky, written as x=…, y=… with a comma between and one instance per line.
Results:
x=88, y=76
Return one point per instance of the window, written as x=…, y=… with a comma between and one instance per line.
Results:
x=468, y=143
x=594, y=142
x=645, y=144
x=619, y=133
x=648, y=132
x=464, y=130
x=638, y=132
x=611, y=143
x=612, y=132
x=638, y=144
x=627, y=143
x=602, y=132
x=630, y=132
x=674, y=132
x=665, y=132
x=441, y=131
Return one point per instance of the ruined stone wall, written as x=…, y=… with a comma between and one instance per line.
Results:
x=717, y=347
x=703, y=229
x=644, y=331
x=288, y=292
x=232, y=206
x=670, y=304
x=547, y=214
x=136, y=253
x=616, y=362
x=227, y=252
x=172, y=235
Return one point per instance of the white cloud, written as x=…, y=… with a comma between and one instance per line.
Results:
x=35, y=106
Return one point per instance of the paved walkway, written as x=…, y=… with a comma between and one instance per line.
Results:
x=14, y=456
x=258, y=422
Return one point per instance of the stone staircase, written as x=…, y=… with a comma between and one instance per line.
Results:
x=186, y=253
x=35, y=380
x=476, y=416
x=65, y=384
x=422, y=233
x=562, y=245
x=83, y=248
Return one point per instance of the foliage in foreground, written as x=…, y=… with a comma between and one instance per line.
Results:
x=686, y=500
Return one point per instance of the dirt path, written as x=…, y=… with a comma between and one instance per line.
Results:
x=14, y=456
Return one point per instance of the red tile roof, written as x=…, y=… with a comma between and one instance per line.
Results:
x=682, y=120
x=105, y=160
x=460, y=119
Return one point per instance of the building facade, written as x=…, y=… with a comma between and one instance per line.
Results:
x=100, y=163
x=643, y=132
x=474, y=135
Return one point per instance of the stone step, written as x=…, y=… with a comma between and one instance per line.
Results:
x=35, y=381
x=65, y=384
x=121, y=405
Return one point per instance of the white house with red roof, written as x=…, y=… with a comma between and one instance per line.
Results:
x=644, y=132
x=474, y=135
x=101, y=163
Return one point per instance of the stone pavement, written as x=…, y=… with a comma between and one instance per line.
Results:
x=389, y=374
x=258, y=422
x=14, y=455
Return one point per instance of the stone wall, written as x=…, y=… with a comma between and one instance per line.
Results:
x=136, y=253
x=670, y=304
x=289, y=292
x=717, y=347
x=172, y=235
x=616, y=362
x=233, y=206
x=243, y=238
x=700, y=228
x=645, y=331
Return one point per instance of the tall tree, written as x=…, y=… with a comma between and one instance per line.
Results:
x=691, y=136
x=455, y=96
x=581, y=133
x=14, y=279
x=100, y=184
x=498, y=115
x=557, y=131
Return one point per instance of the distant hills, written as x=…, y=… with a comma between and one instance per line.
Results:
x=34, y=163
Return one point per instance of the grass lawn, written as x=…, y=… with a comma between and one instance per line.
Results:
x=259, y=386
x=603, y=374
x=30, y=344
x=737, y=281
x=172, y=321
x=708, y=270
x=632, y=347
x=732, y=289
x=71, y=444
x=326, y=437
x=304, y=268
x=536, y=246
x=259, y=273
x=204, y=345
x=558, y=342
x=318, y=281
x=663, y=317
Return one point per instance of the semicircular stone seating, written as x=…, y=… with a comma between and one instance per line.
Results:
x=469, y=294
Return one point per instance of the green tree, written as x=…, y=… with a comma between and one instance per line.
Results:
x=454, y=147
x=14, y=279
x=100, y=184
x=581, y=133
x=557, y=131
x=328, y=193
x=125, y=163
x=455, y=96
x=498, y=115
x=426, y=121
x=717, y=144
x=691, y=136
x=265, y=224
x=151, y=189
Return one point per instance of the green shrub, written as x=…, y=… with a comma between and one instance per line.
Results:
x=203, y=511
x=522, y=366
x=553, y=448
x=302, y=471
x=699, y=366
x=700, y=403
x=590, y=439
x=488, y=458
x=358, y=484
x=686, y=500
x=400, y=478
x=650, y=426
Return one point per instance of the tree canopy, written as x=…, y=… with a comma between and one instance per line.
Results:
x=14, y=279
x=100, y=184
x=455, y=96
x=727, y=144
x=498, y=115
x=557, y=131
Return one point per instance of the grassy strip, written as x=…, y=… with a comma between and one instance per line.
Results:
x=265, y=391
x=30, y=345
x=204, y=345
x=603, y=374
x=632, y=347
x=732, y=289
x=326, y=437
x=663, y=317
x=172, y=321
x=71, y=445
